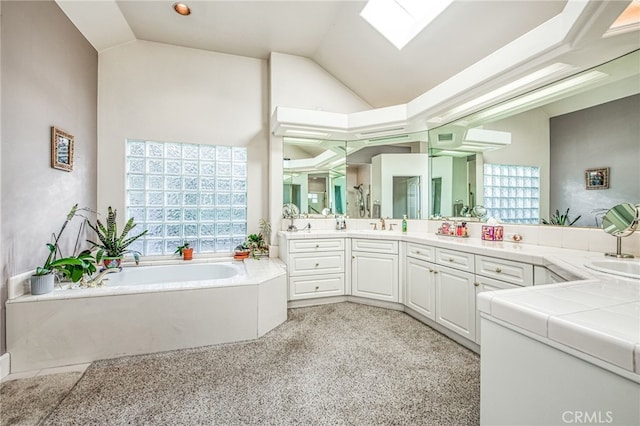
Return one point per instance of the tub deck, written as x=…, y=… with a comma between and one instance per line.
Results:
x=74, y=326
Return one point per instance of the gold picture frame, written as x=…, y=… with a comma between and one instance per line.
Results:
x=597, y=178
x=61, y=149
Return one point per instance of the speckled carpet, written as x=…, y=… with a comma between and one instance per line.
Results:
x=333, y=364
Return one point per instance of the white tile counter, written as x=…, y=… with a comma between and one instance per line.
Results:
x=600, y=318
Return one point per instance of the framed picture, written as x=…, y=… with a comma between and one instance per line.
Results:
x=61, y=149
x=597, y=178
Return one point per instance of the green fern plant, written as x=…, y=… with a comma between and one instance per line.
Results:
x=111, y=243
x=561, y=219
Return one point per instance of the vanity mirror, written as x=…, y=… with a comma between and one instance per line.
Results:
x=526, y=157
x=519, y=160
x=314, y=176
x=387, y=176
x=620, y=221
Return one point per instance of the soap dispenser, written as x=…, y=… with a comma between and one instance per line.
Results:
x=404, y=223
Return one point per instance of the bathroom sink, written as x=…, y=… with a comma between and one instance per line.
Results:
x=624, y=268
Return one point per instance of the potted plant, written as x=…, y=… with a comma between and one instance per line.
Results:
x=256, y=244
x=111, y=246
x=185, y=251
x=73, y=267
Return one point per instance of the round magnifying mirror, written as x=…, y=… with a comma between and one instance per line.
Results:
x=621, y=220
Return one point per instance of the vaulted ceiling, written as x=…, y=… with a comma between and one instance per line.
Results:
x=331, y=33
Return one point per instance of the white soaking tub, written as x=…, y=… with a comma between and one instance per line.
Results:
x=147, y=309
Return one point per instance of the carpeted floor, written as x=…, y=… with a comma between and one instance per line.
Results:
x=333, y=364
x=28, y=401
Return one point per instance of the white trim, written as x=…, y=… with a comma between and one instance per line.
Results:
x=5, y=365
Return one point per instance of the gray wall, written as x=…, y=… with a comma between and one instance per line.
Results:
x=49, y=77
x=606, y=135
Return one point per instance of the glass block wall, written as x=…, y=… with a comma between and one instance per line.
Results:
x=186, y=192
x=512, y=193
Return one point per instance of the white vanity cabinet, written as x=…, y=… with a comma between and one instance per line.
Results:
x=420, y=280
x=315, y=268
x=374, y=269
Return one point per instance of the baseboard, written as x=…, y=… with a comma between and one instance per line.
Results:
x=5, y=365
x=473, y=346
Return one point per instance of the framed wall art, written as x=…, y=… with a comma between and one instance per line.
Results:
x=597, y=178
x=61, y=150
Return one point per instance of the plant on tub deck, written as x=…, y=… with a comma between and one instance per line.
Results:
x=185, y=251
x=112, y=247
x=73, y=268
x=258, y=244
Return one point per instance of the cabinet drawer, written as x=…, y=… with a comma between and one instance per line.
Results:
x=375, y=246
x=505, y=270
x=316, y=263
x=421, y=252
x=455, y=259
x=299, y=246
x=316, y=286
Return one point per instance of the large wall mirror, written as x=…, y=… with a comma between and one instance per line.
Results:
x=520, y=160
x=315, y=176
x=388, y=176
x=526, y=158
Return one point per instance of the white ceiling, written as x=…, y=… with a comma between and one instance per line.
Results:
x=329, y=32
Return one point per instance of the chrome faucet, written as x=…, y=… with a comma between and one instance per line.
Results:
x=98, y=280
x=383, y=224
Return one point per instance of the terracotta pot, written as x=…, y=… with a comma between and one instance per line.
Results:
x=111, y=262
x=187, y=253
x=241, y=255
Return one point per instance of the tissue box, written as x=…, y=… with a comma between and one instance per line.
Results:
x=492, y=233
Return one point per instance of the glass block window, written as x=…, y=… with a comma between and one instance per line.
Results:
x=512, y=193
x=186, y=192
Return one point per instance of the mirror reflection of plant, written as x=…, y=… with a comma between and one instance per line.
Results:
x=561, y=219
x=111, y=244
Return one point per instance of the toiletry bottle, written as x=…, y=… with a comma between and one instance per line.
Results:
x=404, y=223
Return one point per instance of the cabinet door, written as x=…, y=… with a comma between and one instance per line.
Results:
x=456, y=301
x=375, y=275
x=421, y=287
x=488, y=284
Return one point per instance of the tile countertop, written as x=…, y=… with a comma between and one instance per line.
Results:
x=594, y=316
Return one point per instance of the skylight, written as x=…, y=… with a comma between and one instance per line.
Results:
x=399, y=21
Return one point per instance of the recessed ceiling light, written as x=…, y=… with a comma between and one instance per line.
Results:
x=182, y=9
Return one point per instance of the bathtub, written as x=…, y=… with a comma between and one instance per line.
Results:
x=147, y=309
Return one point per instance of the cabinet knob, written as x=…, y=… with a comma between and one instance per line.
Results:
x=477, y=284
x=353, y=257
x=498, y=270
x=417, y=251
x=430, y=269
x=451, y=259
x=317, y=245
x=317, y=264
x=435, y=272
x=317, y=287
